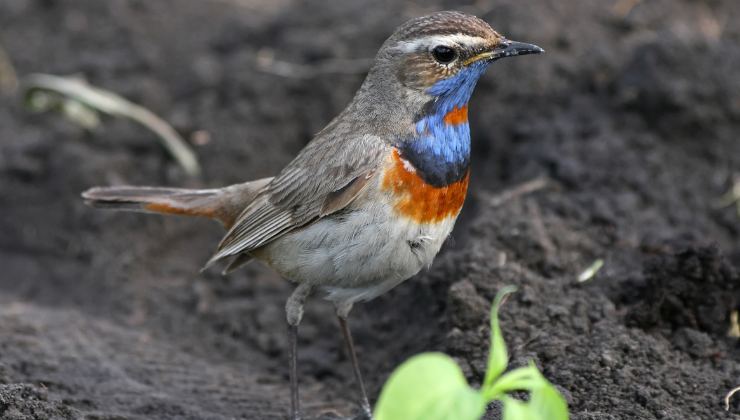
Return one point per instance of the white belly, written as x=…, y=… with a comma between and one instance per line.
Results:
x=359, y=254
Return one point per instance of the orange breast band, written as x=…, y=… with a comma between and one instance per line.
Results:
x=419, y=201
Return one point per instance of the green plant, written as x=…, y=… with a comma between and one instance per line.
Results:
x=431, y=386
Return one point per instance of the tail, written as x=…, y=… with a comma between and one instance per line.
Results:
x=221, y=204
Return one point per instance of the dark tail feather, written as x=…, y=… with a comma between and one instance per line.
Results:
x=156, y=200
x=222, y=204
x=236, y=263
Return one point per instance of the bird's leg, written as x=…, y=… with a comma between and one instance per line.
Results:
x=295, y=410
x=294, y=313
x=365, y=404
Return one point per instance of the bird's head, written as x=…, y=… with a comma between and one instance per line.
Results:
x=443, y=55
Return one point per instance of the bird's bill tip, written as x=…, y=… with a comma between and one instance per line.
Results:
x=506, y=48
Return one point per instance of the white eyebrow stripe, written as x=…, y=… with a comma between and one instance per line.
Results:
x=429, y=41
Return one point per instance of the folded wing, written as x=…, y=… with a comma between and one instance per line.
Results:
x=324, y=178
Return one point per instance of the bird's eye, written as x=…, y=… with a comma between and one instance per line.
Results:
x=443, y=54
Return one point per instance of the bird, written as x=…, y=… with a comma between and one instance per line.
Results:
x=371, y=198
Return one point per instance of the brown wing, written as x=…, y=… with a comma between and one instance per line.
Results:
x=325, y=177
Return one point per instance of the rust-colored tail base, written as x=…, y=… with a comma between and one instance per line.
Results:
x=204, y=203
x=222, y=204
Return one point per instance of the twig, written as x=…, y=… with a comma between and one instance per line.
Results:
x=535, y=215
x=115, y=105
x=267, y=63
x=519, y=190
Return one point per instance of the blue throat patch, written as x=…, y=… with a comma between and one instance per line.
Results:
x=441, y=151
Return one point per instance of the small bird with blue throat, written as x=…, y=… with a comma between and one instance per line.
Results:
x=372, y=197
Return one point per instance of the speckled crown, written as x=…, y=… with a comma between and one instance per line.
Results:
x=444, y=23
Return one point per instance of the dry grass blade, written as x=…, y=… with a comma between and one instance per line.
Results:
x=115, y=105
x=729, y=396
x=732, y=196
x=525, y=188
x=734, y=331
x=591, y=271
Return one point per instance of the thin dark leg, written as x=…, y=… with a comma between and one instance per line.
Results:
x=293, y=314
x=295, y=410
x=355, y=365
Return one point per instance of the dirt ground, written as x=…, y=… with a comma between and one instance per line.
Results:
x=631, y=119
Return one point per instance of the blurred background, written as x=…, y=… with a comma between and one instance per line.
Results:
x=606, y=186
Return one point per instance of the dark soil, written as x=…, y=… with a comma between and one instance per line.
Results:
x=632, y=116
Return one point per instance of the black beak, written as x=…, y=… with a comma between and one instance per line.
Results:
x=508, y=48
x=505, y=48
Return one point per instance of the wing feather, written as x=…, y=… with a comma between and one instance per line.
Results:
x=326, y=176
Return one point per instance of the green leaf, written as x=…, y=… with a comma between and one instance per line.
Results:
x=498, y=357
x=547, y=402
x=520, y=379
x=516, y=410
x=432, y=387
x=429, y=386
